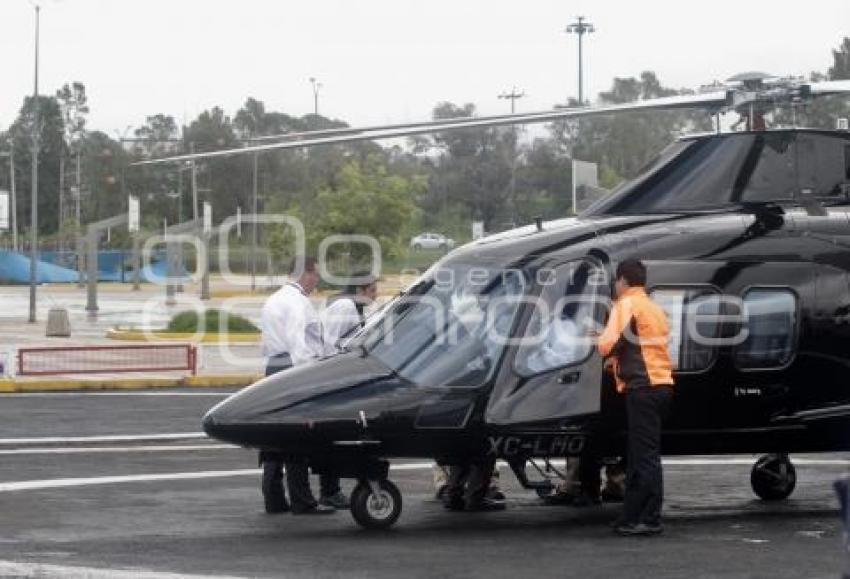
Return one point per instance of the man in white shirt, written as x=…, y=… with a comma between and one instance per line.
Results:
x=344, y=312
x=292, y=335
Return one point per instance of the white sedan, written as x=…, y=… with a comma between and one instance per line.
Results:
x=431, y=241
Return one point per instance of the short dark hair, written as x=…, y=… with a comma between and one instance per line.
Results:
x=365, y=280
x=300, y=264
x=633, y=271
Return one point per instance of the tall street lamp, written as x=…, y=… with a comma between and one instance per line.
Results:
x=34, y=191
x=581, y=28
x=316, y=87
x=513, y=96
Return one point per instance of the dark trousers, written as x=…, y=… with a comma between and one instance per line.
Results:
x=297, y=480
x=297, y=474
x=646, y=408
x=471, y=480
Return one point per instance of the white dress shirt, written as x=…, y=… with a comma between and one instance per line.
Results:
x=291, y=325
x=339, y=318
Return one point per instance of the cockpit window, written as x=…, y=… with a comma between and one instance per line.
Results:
x=451, y=328
x=557, y=334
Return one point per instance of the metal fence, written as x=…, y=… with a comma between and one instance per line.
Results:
x=107, y=359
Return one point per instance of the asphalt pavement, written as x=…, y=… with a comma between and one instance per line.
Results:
x=122, y=484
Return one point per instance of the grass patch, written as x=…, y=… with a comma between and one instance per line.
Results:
x=211, y=321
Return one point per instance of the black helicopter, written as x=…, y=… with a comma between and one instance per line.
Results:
x=746, y=236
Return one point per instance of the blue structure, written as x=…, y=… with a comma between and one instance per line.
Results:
x=60, y=267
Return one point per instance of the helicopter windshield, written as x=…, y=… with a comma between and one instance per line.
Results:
x=451, y=328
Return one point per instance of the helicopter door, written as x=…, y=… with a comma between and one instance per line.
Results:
x=555, y=371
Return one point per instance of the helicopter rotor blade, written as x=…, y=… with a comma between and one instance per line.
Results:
x=711, y=101
x=830, y=87
x=372, y=128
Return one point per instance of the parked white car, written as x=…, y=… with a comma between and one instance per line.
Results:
x=431, y=241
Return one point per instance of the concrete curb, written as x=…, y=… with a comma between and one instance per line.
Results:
x=154, y=336
x=70, y=385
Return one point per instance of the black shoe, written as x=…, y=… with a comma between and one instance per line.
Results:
x=560, y=498
x=453, y=503
x=337, y=501
x=586, y=500
x=639, y=530
x=276, y=505
x=618, y=522
x=486, y=505
x=440, y=495
x=494, y=494
x=314, y=510
x=611, y=496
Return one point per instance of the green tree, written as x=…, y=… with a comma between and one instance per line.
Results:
x=624, y=142
x=471, y=171
x=73, y=103
x=51, y=147
x=363, y=198
x=823, y=112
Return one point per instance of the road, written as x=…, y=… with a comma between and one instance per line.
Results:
x=161, y=501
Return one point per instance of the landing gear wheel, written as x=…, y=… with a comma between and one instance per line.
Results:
x=773, y=477
x=376, y=504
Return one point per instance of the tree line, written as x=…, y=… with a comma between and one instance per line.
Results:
x=441, y=182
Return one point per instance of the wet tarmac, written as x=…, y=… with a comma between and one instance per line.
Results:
x=124, y=485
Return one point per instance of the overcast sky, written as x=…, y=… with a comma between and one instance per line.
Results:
x=390, y=60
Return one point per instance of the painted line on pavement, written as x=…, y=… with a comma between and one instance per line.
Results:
x=15, y=569
x=29, y=485
x=117, y=449
x=104, y=480
x=103, y=438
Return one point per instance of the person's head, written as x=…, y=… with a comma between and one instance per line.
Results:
x=630, y=273
x=366, y=290
x=307, y=270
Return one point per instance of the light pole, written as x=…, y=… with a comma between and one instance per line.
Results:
x=513, y=96
x=254, y=209
x=581, y=28
x=316, y=87
x=34, y=191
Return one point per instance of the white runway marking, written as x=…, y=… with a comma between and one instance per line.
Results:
x=108, y=449
x=13, y=569
x=104, y=480
x=103, y=438
x=29, y=485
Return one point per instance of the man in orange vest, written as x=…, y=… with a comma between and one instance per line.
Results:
x=635, y=343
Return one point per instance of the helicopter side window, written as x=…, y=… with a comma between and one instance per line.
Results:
x=770, y=316
x=557, y=333
x=693, y=316
x=823, y=165
x=768, y=173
